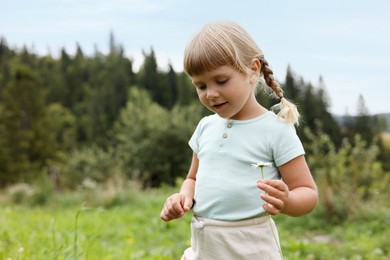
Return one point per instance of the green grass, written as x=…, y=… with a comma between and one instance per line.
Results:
x=55, y=231
x=362, y=237
x=126, y=225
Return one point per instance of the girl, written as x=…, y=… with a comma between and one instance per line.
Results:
x=230, y=201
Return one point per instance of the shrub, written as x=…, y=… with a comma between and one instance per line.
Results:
x=345, y=177
x=91, y=164
x=151, y=141
x=20, y=192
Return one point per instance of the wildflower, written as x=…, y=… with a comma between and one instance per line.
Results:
x=130, y=241
x=261, y=164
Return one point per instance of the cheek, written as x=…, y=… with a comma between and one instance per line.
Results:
x=202, y=98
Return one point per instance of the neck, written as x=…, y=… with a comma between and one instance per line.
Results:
x=251, y=110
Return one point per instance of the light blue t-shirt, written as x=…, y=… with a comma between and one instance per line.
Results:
x=226, y=184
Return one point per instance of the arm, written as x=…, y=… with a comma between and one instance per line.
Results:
x=295, y=195
x=179, y=203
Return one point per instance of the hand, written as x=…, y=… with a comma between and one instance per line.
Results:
x=275, y=195
x=175, y=207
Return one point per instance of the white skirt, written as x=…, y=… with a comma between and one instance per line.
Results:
x=255, y=238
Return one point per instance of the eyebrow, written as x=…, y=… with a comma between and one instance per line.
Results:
x=196, y=82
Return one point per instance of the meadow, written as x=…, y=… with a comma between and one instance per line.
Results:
x=66, y=156
x=124, y=223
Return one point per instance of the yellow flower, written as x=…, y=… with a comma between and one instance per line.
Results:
x=130, y=241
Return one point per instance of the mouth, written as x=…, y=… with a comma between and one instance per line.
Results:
x=219, y=105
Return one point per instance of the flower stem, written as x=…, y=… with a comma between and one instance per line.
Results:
x=269, y=221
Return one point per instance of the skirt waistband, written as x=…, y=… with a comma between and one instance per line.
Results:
x=200, y=222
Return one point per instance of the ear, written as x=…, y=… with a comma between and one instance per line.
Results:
x=255, y=69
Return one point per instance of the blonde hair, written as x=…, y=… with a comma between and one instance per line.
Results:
x=226, y=43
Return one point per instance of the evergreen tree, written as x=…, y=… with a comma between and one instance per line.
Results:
x=75, y=75
x=50, y=76
x=110, y=78
x=6, y=56
x=120, y=77
x=172, y=86
x=65, y=61
x=290, y=87
x=25, y=145
x=364, y=124
x=154, y=82
x=313, y=104
x=186, y=91
x=148, y=75
x=329, y=123
x=27, y=58
x=54, y=105
x=3, y=50
x=310, y=107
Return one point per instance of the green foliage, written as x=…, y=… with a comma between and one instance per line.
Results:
x=74, y=123
x=61, y=127
x=25, y=146
x=186, y=91
x=33, y=134
x=36, y=194
x=346, y=176
x=384, y=155
x=19, y=193
x=161, y=87
x=87, y=164
x=73, y=118
x=312, y=103
x=152, y=141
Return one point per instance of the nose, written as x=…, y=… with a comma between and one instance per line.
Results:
x=211, y=93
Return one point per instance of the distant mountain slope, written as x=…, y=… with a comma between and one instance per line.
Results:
x=341, y=119
x=387, y=117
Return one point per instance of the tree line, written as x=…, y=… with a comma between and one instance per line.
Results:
x=79, y=117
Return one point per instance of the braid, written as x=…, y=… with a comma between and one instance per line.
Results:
x=269, y=78
x=284, y=109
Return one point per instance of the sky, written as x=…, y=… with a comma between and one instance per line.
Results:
x=344, y=42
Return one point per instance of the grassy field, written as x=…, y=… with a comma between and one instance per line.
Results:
x=126, y=225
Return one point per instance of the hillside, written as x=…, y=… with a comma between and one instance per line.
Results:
x=387, y=118
x=341, y=119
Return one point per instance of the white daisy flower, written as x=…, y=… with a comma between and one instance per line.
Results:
x=261, y=164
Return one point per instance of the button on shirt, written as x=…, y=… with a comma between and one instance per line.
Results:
x=226, y=183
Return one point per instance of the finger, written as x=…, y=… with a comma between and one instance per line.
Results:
x=188, y=202
x=174, y=205
x=167, y=214
x=274, y=202
x=274, y=188
x=277, y=184
x=164, y=215
x=270, y=209
x=168, y=217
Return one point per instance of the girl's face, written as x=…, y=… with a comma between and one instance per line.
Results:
x=227, y=92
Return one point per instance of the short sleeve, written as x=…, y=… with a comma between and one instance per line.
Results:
x=287, y=145
x=194, y=140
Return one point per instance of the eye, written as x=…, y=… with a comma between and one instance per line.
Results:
x=222, y=81
x=200, y=87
